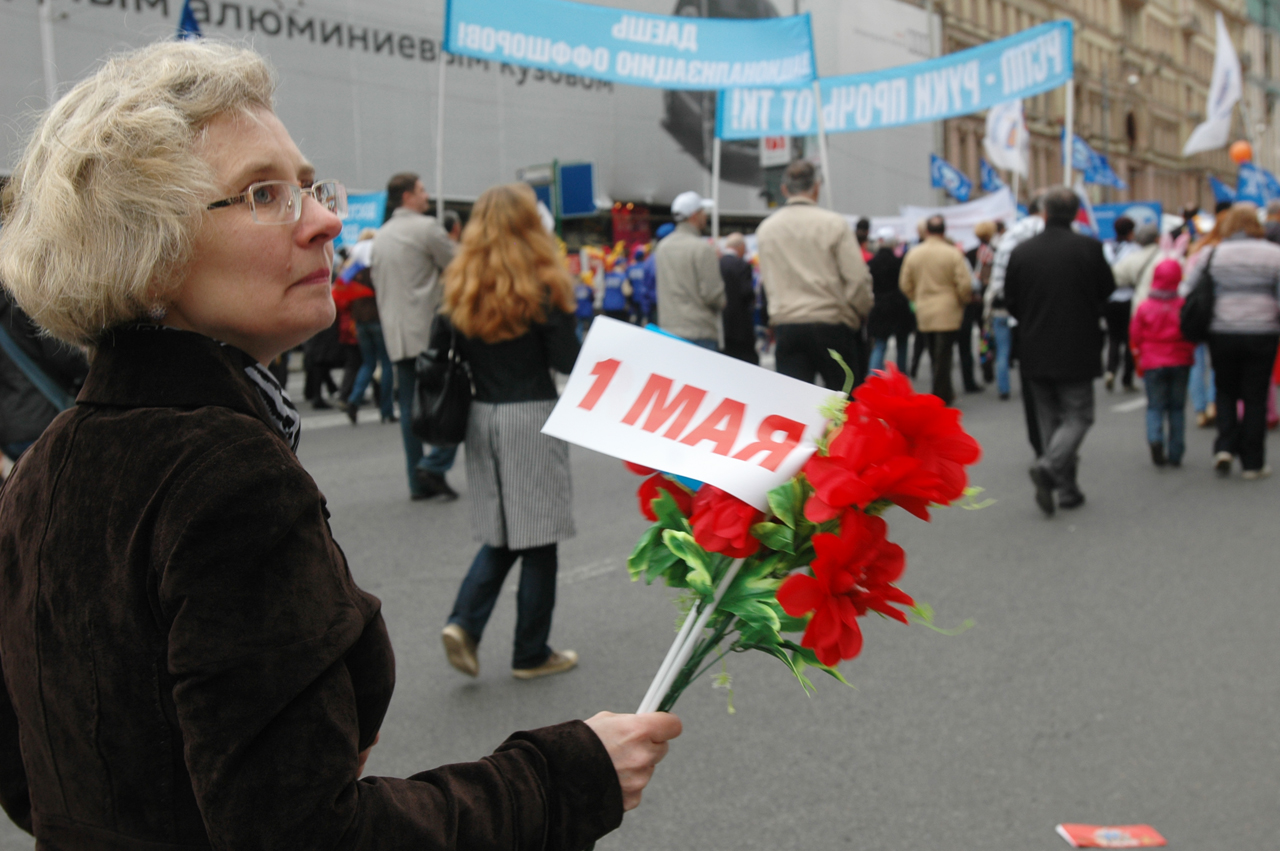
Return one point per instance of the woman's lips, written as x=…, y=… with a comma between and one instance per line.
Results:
x=320, y=276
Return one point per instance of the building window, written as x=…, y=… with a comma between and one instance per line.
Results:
x=1131, y=22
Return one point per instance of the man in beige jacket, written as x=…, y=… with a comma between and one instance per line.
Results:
x=937, y=279
x=818, y=286
x=690, y=290
x=409, y=255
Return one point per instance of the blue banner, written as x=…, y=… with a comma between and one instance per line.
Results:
x=1221, y=191
x=943, y=175
x=363, y=211
x=1141, y=212
x=991, y=181
x=1026, y=64
x=639, y=49
x=1093, y=166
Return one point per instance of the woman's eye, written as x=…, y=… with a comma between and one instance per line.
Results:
x=266, y=194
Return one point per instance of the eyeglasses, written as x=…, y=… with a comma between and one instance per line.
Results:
x=279, y=202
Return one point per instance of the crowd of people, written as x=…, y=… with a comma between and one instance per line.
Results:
x=189, y=313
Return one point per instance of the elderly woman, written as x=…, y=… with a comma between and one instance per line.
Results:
x=1243, y=335
x=187, y=661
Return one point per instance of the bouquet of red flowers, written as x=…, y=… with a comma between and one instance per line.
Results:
x=820, y=558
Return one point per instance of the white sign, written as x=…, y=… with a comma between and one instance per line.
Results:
x=668, y=404
x=775, y=151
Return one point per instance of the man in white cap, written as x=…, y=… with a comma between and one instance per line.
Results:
x=690, y=290
x=817, y=283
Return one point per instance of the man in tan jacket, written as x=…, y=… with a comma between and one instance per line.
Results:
x=939, y=283
x=690, y=290
x=818, y=286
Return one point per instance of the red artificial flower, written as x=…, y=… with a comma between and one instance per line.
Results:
x=853, y=572
x=932, y=431
x=638, y=469
x=648, y=492
x=722, y=523
x=868, y=460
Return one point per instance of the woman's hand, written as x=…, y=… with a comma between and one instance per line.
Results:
x=636, y=744
x=364, y=756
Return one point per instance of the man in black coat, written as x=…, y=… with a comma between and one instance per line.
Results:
x=740, y=301
x=25, y=409
x=1056, y=286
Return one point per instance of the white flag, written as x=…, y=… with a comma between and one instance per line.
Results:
x=1225, y=89
x=1007, y=144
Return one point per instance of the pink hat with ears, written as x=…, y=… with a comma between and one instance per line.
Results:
x=1167, y=276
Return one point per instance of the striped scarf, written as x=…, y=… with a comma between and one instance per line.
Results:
x=276, y=398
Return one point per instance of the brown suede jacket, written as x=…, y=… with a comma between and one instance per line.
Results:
x=189, y=664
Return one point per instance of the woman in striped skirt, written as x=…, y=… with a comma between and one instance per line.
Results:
x=508, y=307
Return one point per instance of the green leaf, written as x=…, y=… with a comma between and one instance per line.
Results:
x=753, y=613
x=806, y=657
x=642, y=555
x=796, y=670
x=661, y=564
x=786, y=623
x=669, y=514
x=924, y=616
x=775, y=536
x=848, y=373
x=785, y=502
x=687, y=550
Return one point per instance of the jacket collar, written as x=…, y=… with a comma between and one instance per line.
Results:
x=800, y=199
x=152, y=367
x=686, y=228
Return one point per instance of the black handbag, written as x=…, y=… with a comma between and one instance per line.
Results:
x=442, y=397
x=1197, y=310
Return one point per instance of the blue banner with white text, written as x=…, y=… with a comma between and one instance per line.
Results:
x=363, y=211
x=1221, y=191
x=1033, y=61
x=636, y=48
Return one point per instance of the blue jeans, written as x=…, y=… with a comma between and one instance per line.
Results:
x=373, y=349
x=1167, y=402
x=1004, y=345
x=441, y=458
x=880, y=348
x=535, y=598
x=1202, y=381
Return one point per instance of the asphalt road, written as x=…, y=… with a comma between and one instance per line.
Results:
x=1122, y=669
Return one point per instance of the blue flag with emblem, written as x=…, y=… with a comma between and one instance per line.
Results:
x=991, y=181
x=188, y=26
x=1221, y=191
x=1250, y=184
x=1092, y=165
x=946, y=176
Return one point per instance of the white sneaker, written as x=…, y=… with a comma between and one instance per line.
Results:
x=1222, y=463
x=1253, y=475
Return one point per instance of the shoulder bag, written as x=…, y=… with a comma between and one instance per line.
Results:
x=442, y=397
x=1197, y=310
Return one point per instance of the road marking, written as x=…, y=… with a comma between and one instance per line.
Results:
x=574, y=575
x=1131, y=405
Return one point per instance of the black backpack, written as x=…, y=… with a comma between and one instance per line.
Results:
x=1197, y=310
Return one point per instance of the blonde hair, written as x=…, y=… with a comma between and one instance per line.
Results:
x=507, y=271
x=106, y=200
x=984, y=230
x=1241, y=217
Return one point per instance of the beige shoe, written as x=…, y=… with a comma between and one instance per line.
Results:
x=557, y=662
x=1253, y=475
x=1202, y=420
x=1211, y=413
x=461, y=650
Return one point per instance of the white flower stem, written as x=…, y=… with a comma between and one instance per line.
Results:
x=651, y=696
x=663, y=681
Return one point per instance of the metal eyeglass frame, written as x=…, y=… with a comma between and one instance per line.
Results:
x=338, y=207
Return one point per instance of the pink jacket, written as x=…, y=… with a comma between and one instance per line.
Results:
x=1155, y=335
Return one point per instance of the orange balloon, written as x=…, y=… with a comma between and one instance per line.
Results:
x=1240, y=152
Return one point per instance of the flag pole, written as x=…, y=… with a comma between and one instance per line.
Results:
x=822, y=147
x=440, y=141
x=715, y=187
x=46, y=52
x=1069, y=141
